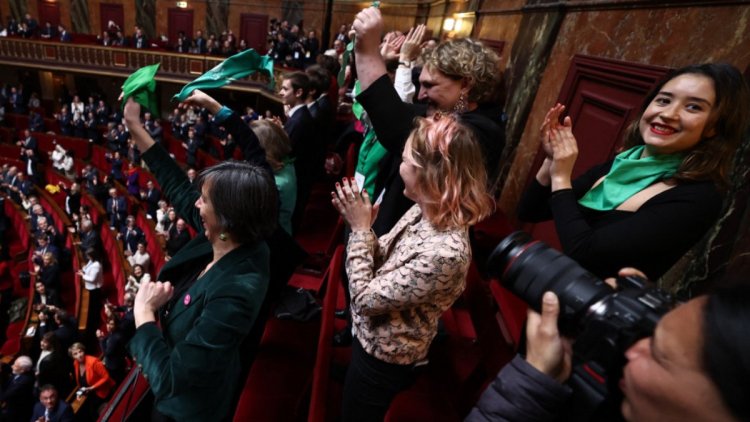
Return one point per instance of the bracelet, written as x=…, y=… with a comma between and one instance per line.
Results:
x=407, y=64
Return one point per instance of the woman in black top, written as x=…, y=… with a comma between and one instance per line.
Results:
x=646, y=208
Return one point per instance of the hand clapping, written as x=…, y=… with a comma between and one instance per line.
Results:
x=354, y=206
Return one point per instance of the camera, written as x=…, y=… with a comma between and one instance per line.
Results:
x=603, y=321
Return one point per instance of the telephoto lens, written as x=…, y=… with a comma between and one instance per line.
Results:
x=529, y=268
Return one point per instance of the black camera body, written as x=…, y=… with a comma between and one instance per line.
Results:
x=604, y=322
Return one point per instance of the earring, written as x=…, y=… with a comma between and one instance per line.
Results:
x=223, y=236
x=461, y=106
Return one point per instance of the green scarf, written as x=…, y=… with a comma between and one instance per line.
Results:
x=142, y=87
x=236, y=67
x=630, y=174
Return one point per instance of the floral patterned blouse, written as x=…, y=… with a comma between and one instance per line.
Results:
x=402, y=283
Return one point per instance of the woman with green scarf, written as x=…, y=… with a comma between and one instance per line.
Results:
x=658, y=197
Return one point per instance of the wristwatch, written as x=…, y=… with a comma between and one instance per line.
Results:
x=404, y=63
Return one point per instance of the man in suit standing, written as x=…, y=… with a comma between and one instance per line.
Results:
x=50, y=408
x=64, y=34
x=130, y=235
x=178, y=238
x=27, y=142
x=117, y=209
x=16, y=396
x=152, y=197
x=139, y=39
x=301, y=130
x=199, y=42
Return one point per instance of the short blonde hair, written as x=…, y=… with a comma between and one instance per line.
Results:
x=451, y=177
x=468, y=59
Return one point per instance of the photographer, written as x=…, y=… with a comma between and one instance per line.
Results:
x=696, y=366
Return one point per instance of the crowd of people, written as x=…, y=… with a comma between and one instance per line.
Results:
x=429, y=136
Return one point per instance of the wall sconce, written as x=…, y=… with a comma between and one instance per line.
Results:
x=449, y=24
x=182, y=4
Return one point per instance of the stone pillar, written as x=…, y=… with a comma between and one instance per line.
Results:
x=536, y=38
x=145, y=17
x=79, y=17
x=217, y=17
x=724, y=253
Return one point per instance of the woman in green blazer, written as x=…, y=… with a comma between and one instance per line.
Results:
x=209, y=294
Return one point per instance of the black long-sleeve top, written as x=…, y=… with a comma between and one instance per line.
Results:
x=652, y=239
x=392, y=121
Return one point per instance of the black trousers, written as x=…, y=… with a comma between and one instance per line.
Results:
x=371, y=385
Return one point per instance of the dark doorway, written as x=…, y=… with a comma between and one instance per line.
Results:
x=179, y=20
x=253, y=29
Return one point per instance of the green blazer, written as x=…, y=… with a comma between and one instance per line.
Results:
x=192, y=363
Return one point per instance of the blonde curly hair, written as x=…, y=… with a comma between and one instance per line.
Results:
x=465, y=58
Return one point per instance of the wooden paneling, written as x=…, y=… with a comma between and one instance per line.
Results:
x=179, y=20
x=111, y=12
x=253, y=29
x=48, y=12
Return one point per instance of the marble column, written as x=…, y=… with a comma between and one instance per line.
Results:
x=536, y=37
x=724, y=253
x=79, y=16
x=217, y=16
x=17, y=8
x=145, y=17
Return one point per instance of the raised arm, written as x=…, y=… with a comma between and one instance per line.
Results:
x=368, y=26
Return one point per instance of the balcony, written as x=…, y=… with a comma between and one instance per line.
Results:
x=121, y=62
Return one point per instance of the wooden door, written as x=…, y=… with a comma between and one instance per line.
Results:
x=179, y=20
x=602, y=97
x=253, y=29
x=112, y=12
x=49, y=12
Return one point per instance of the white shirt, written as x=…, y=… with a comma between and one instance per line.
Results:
x=92, y=275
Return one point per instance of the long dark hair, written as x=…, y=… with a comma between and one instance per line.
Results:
x=712, y=158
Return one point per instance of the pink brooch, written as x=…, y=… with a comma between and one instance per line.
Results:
x=186, y=301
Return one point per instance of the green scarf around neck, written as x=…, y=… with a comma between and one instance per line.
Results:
x=630, y=174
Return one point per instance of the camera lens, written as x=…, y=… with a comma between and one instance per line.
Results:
x=530, y=268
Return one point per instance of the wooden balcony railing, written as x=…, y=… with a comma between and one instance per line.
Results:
x=116, y=61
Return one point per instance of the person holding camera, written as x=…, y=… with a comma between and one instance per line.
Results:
x=695, y=366
x=656, y=199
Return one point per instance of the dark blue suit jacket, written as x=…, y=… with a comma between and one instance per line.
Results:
x=61, y=413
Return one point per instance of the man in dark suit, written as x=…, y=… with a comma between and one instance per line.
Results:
x=130, y=235
x=50, y=408
x=64, y=34
x=301, y=130
x=117, y=209
x=139, y=39
x=36, y=122
x=199, y=42
x=16, y=396
x=27, y=142
x=178, y=238
x=152, y=196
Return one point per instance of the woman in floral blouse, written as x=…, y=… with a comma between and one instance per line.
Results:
x=402, y=282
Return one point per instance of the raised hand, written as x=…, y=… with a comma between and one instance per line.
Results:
x=412, y=46
x=545, y=349
x=551, y=121
x=354, y=206
x=391, y=45
x=564, y=148
x=199, y=98
x=368, y=25
x=150, y=297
